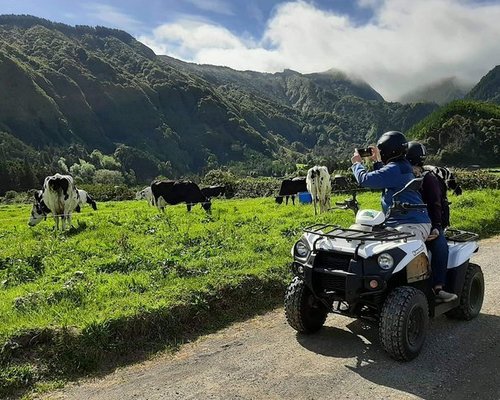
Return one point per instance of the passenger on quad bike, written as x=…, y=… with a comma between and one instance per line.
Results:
x=392, y=172
x=434, y=195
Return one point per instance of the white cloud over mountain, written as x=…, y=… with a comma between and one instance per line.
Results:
x=406, y=44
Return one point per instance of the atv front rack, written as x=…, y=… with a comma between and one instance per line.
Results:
x=456, y=235
x=336, y=232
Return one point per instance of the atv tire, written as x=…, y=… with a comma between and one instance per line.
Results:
x=403, y=323
x=471, y=298
x=303, y=311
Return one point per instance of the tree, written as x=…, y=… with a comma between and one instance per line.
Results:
x=108, y=177
x=83, y=172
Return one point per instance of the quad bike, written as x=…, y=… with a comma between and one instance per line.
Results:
x=380, y=274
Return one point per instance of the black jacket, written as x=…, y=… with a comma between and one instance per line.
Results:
x=434, y=195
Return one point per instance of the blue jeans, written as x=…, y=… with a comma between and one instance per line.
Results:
x=439, y=262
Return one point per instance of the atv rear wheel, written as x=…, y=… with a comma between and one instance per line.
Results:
x=471, y=298
x=303, y=311
x=403, y=323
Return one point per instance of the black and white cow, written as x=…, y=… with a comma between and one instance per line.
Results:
x=85, y=198
x=145, y=194
x=447, y=176
x=289, y=188
x=213, y=191
x=58, y=196
x=175, y=192
x=320, y=186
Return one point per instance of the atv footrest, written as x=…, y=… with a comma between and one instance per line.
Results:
x=441, y=308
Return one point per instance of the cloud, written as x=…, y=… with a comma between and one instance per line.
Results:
x=111, y=16
x=405, y=44
x=215, y=6
x=189, y=37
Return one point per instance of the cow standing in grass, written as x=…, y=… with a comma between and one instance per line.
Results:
x=175, y=192
x=58, y=196
x=213, y=191
x=85, y=198
x=289, y=188
x=446, y=176
x=145, y=194
x=319, y=185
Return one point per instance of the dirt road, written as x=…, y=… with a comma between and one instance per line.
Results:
x=263, y=358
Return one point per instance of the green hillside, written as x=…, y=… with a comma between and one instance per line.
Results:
x=462, y=133
x=488, y=88
x=306, y=92
x=76, y=95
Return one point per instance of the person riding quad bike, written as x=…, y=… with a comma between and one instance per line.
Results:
x=374, y=272
x=434, y=195
x=391, y=173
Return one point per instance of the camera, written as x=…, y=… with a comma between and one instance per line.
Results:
x=367, y=152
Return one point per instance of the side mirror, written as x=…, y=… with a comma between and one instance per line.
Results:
x=414, y=184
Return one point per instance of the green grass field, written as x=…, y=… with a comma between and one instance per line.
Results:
x=125, y=273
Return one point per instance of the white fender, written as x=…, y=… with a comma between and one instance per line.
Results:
x=460, y=252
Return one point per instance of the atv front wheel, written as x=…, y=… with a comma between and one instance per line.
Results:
x=471, y=298
x=403, y=323
x=303, y=311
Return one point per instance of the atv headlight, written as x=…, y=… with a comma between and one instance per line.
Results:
x=301, y=250
x=385, y=261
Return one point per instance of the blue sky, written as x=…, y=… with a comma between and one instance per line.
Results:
x=395, y=45
x=243, y=17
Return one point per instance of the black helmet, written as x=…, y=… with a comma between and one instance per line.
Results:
x=416, y=153
x=392, y=145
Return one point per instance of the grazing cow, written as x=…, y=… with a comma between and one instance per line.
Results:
x=320, y=187
x=175, y=192
x=145, y=194
x=289, y=188
x=447, y=176
x=58, y=196
x=213, y=191
x=85, y=198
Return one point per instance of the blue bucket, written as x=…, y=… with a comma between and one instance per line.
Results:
x=305, y=198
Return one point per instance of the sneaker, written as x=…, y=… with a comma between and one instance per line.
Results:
x=445, y=297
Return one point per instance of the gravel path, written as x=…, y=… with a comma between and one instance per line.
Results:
x=263, y=358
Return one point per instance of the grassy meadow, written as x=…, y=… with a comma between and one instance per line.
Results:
x=126, y=277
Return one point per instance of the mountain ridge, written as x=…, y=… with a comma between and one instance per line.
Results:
x=76, y=90
x=441, y=92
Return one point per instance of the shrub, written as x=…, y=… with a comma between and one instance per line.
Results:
x=257, y=187
x=10, y=195
x=220, y=177
x=108, y=177
x=102, y=192
x=473, y=180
